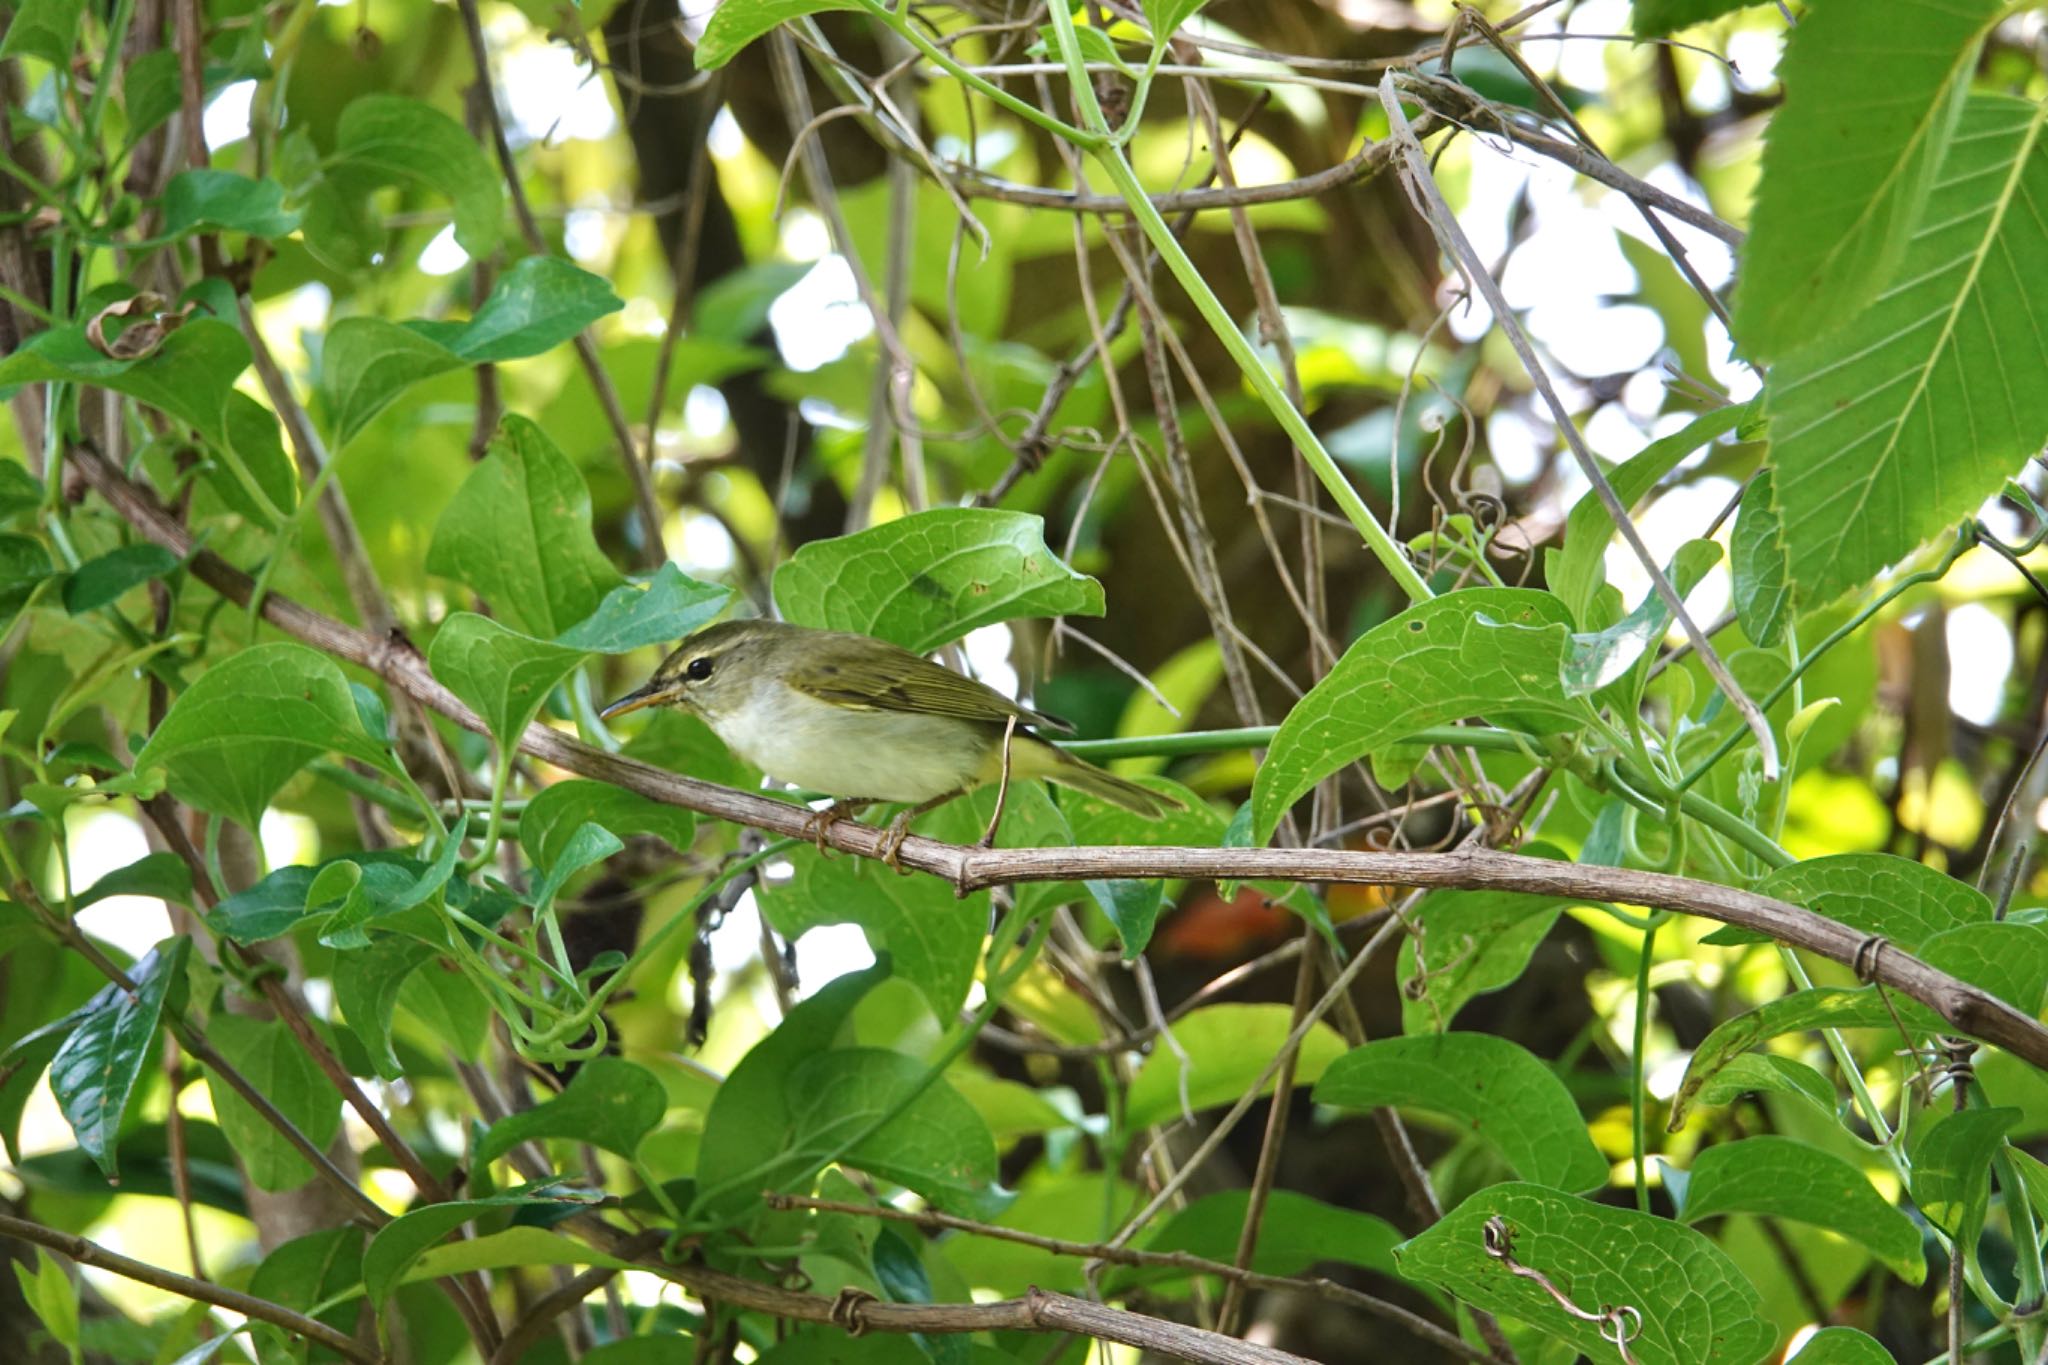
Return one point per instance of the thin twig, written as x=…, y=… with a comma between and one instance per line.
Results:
x=650, y=550
x=934, y=1221
x=1269, y=1145
x=184, y=1286
x=534, y=1322
x=1430, y=203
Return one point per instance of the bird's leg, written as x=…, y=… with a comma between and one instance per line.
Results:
x=899, y=828
x=995, y=819
x=844, y=808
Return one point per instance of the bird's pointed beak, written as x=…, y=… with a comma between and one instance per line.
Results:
x=651, y=695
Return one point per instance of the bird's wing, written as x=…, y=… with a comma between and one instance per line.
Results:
x=902, y=681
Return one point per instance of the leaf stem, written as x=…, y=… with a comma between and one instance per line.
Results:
x=1638, y=1081
x=1110, y=157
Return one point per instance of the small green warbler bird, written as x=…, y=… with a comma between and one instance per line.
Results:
x=864, y=721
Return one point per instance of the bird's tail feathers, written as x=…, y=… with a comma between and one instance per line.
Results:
x=1035, y=758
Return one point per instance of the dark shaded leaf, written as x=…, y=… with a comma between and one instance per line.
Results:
x=1780, y=1178
x=101, y=582
x=1490, y=1087
x=211, y=200
x=611, y=1104
x=93, y=1074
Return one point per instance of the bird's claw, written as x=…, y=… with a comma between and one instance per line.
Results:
x=892, y=844
x=822, y=820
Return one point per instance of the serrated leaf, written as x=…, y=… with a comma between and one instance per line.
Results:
x=670, y=606
x=1469, y=943
x=275, y=1063
x=928, y=1140
x=735, y=24
x=927, y=579
x=1492, y=1088
x=1227, y=1046
x=1872, y=91
x=518, y=533
x=240, y=732
x=554, y=815
x=1576, y=572
x=1493, y=651
x=1756, y=565
x=204, y=199
x=932, y=937
x=93, y=1074
x=1893, y=428
x=1780, y=1178
x=503, y=675
x=1951, y=1161
x=611, y=1104
x=1820, y=1007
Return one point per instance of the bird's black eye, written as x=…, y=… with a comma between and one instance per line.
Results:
x=699, y=669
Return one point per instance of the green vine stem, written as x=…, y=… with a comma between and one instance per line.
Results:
x=900, y=24
x=1639, y=1080
x=1110, y=157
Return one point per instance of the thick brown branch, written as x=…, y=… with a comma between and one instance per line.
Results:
x=200, y=1291
x=1965, y=1007
x=1322, y=1287
x=1037, y=1311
